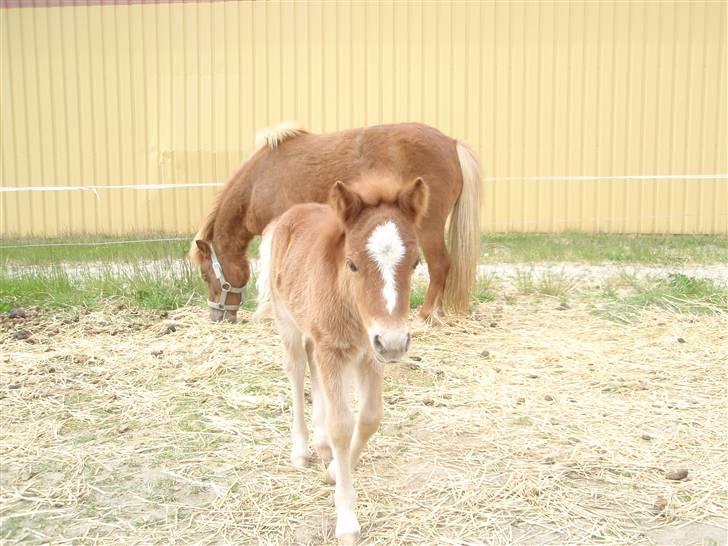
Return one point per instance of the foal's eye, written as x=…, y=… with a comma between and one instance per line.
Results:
x=353, y=268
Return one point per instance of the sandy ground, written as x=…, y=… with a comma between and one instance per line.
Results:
x=530, y=423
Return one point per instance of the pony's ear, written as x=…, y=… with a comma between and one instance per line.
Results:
x=413, y=200
x=204, y=249
x=345, y=202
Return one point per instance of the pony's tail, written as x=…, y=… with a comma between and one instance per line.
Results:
x=264, y=306
x=464, y=235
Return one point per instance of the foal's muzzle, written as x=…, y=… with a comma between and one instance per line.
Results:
x=390, y=345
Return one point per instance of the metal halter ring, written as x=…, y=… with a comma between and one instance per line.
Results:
x=226, y=287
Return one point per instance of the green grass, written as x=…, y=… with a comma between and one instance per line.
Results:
x=679, y=292
x=131, y=283
x=605, y=248
x=118, y=271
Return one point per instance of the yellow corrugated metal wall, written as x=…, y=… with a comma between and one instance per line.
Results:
x=559, y=99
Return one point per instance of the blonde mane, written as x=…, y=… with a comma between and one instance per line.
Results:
x=274, y=136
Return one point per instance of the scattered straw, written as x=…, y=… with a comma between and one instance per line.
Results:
x=526, y=423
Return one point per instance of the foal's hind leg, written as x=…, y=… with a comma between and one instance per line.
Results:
x=432, y=239
x=295, y=366
x=320, y=436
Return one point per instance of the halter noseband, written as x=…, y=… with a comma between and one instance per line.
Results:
x=225, y=286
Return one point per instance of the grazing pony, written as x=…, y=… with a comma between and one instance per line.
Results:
x=292, y=166
x=337, y=281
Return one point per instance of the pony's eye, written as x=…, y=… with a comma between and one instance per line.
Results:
x=416, y=264
x=353, y=268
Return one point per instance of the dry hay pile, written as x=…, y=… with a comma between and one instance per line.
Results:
x=526, y=423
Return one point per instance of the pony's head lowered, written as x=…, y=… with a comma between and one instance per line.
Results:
x=380, y=254
x=225, y=281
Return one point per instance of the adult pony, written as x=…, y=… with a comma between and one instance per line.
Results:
x=292, y=166
x=337, y=281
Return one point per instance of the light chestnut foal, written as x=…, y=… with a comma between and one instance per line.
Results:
x=337, y=281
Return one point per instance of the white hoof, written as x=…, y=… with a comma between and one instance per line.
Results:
x=331, y=473
x=299, y=460
x=347, y=529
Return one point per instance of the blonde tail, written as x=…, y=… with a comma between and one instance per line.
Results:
x=464, y=235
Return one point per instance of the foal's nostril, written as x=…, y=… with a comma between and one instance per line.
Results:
x=406, y=345
x=378, y=344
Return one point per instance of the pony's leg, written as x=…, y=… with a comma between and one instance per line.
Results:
x=320, y=436
x=295, y=366
x=340, y=426
x=432, y=240
x=370, y=406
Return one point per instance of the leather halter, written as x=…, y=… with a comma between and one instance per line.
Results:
x=226, y=287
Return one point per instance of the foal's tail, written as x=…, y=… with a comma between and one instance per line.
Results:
x=464, y=235
x=262, y=282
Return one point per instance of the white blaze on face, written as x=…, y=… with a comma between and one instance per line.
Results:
x=386, y=248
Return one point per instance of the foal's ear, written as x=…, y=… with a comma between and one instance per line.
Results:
x=204, y=248
x=345, y=202
x=413, y=200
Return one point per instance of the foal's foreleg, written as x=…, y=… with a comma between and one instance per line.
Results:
x=370, y=406
x=295, y=366
x=340, y=426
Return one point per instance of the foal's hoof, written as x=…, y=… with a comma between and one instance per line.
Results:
x=347, y=529
x=330, y=476
x=299, y=461
x=349, y=539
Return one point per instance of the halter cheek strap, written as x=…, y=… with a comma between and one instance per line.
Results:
x=226, y=287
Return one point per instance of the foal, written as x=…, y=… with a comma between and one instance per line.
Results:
x=337, y=281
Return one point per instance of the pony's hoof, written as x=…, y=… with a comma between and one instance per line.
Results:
x=331, y=473
x=347, y=529
x=349, y=539
x=299, y=461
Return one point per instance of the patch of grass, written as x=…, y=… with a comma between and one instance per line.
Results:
x=554, y=284
x=679, y=292
x=417, y=295
x=601, y=248
x=485, y=289
x=169, y=286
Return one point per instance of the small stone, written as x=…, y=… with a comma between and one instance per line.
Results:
x=681, y=340
x=532, y=376
x=646, y=437
x=677, y=475
x=122, y=429
x=17, y=313
x=163, y=314
x=170, y=328
x=563, y=307
x=429, y=402
x=22, y=334
x=485, y=353
x=13, y=386
x=416, y=358
x=521, y=400
x=157, y=353
x=660, y=505
x=549, y=460
x=548, y=398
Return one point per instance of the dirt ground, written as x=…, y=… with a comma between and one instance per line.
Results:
x=527, y=423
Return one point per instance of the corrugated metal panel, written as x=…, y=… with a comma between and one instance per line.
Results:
x=546, y=92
